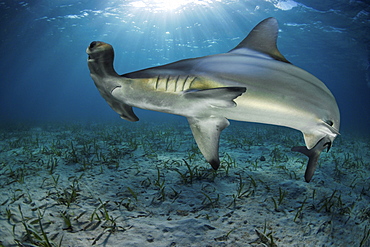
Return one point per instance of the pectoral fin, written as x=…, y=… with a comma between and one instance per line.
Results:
x=206, y=132
x=125, y=111
x=313, y=155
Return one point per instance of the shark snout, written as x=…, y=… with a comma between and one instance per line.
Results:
x=91, y=47
x=99, y=51
x=98, y=47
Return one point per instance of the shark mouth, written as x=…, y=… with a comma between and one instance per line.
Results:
x=116, y=87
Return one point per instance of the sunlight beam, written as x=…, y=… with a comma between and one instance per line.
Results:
x=168, y=5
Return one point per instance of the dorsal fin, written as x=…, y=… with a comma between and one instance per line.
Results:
x=263, y=39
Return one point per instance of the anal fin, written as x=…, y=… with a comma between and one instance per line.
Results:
x=206, y=132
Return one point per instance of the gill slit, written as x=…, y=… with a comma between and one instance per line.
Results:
x=183, y=85
x=156, y=83
x=177, y=79
x=192, y=80
x=167, y=80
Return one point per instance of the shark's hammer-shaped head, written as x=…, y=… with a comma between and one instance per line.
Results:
x=100, y=58
x=100, y=50
x=106, y=79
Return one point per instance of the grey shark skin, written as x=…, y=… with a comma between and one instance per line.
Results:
x=253, y=82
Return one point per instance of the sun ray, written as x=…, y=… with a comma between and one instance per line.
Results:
x=168, y=5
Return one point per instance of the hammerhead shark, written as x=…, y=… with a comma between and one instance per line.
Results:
x=253, y=82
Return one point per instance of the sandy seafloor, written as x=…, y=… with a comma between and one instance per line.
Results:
x=146, y=184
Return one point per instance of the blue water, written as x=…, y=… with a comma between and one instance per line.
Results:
x=44, y=74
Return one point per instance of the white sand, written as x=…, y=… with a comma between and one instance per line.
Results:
x=107, y=184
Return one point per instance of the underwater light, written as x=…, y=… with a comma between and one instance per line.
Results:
x=167, y=5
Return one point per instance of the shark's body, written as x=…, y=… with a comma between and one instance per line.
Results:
x=253, y=82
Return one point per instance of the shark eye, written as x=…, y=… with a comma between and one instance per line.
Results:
x=92, y=45
x=329, y=122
